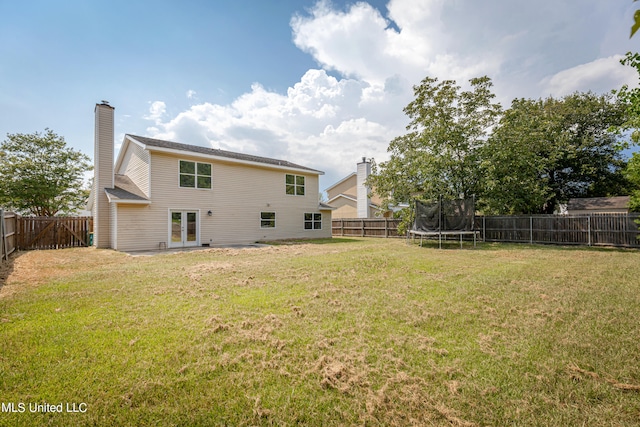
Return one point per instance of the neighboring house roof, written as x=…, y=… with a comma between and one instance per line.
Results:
x=598, y=203
x=325, y=207
x=125, y=191
x=352, y=198
x=346, y=196
x=161, y=145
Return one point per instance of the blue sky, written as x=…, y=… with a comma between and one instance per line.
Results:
x=320, y=83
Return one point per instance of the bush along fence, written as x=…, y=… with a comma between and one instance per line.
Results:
x=8, y=235
x=621, y=230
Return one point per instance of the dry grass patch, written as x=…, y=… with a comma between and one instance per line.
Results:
x=352, y=332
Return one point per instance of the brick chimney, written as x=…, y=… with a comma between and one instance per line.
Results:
x=363, y=192
x=102, y=173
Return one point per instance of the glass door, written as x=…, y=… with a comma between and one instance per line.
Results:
x=184, y=228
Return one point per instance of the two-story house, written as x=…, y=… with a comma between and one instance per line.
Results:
x=162, y=194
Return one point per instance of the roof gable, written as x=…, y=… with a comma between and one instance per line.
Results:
x=346, y=178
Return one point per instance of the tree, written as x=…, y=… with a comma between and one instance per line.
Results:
x=544, y=152
x=513, y=161
x=636, y=22
x=40, y=175
x=439, y=154
x=630, y=98
x=632, y=173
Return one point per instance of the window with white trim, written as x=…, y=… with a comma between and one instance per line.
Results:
x=195, y=174
x=294, y=185
x=313, y=221
x=267, y=220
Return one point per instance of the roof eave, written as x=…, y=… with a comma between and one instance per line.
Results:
x=353, y=199
x=130, y=202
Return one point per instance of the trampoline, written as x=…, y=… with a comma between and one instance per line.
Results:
x=444, y=218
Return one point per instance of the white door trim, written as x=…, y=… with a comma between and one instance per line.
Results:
x=183, y=240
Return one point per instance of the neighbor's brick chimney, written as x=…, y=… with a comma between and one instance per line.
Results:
x=103, y=174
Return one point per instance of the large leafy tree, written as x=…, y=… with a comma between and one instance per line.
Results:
x=439, y=154
x=630, y=97
x=632, y=173
x=544, y=152
x=40, y=175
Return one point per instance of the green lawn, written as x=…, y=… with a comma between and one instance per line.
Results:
x=348, y=332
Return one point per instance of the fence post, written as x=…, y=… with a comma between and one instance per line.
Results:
x=589, y=229
x=4, y=249
x=484, y=228
x=19, y=231
x=531, y=230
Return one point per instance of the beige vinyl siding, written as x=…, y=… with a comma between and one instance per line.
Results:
x=103, y=174
x=135, y=164
x=113, y=217
x=375, y=199
x=348, y=186
x=134, y=232
x=238, y=194
x=241, y=193
x=326, y=222
x=345, y=208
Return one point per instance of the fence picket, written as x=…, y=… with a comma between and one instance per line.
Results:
x=53, y=232
x=595, y=229
x=8, y=234
x=590, y=230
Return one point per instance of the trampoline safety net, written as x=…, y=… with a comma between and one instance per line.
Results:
x=445, y=215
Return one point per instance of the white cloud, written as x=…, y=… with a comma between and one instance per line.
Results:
x=529, y=49
x=412, y=41
x=157, y=111
x=319, y=122
x=599, y=76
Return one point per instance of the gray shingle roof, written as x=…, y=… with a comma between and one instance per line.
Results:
x=598, y=203
x=324, y=206
x=218, y=153
x=125, y=189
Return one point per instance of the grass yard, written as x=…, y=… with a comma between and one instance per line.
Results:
x=348, y=332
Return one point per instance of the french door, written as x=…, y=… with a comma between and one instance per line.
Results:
x=184, y=228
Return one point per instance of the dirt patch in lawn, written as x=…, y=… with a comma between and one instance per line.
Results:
x=32, y=268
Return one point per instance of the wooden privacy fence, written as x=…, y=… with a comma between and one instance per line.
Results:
x=7, y=234
x=620, y=230
x=53, y=232
x=370, y=227
x=595, y=229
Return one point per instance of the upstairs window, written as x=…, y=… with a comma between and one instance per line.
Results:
x=294, y=185
x=195, y=174
x=313, y=221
